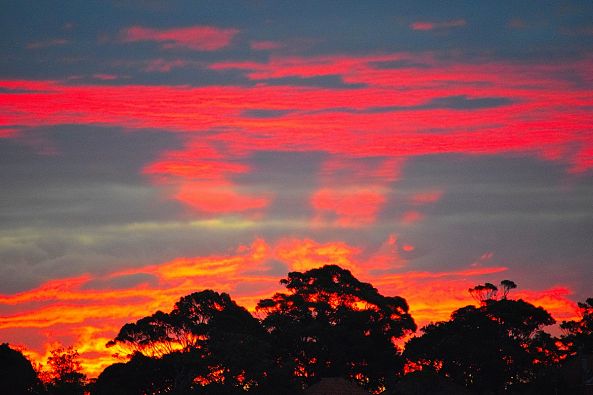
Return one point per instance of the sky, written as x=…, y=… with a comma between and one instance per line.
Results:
x=150, y=150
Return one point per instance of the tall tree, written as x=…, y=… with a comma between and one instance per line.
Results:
x=331, y=324
x=140, y=375
x=578, y=335
x=578, y=340
x=206, y=340
x=17, y=375
x=65, y=373
x=486, y=347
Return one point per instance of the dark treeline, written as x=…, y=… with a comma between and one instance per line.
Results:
x=328, y=325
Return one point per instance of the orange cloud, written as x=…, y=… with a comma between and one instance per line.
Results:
x=387, y=257
x=74, y=313
x=302, y=255
x=555, y=300
x=200, y=38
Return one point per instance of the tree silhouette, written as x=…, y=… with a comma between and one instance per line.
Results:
x=64, y=375
x=206, y=340
x=482, y=293
x=578, y=339
x=486, y=347
x=331, y=324
x=17, y=375
x=140, y=375
x=506, y=286
x=578, y=335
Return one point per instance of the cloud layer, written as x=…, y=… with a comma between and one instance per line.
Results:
x=179, y=148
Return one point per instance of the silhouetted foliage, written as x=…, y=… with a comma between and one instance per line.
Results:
x=427, y=381
x=330, y=324
x=489, y=291
x=206, y=340
x=578, y=335
x=486, y=348
x=485, y=292
x=65, y=377
x=506, y=286
x=141, y=375
x=578, y=340
x=17, y=375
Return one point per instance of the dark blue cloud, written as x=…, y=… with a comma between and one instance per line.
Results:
x=525, y=31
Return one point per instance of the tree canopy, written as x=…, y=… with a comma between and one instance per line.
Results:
x=17, y=375
x=579, y=334
x=327, y=325
x=331, y=324
x=64, y=376
x=485, y=347
x=206, y=340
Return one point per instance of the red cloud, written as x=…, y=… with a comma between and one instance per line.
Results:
x=353, y=191
x=218, y=197
x=200, y=38
x=351, y=207
x=199, y=175
x=394, y=113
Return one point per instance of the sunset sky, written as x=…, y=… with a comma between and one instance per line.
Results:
x=148, y=151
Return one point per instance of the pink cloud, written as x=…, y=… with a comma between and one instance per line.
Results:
x=105, y=77
x=199, y=38
x=47, y=43
x=427, y=197
x=438, y=25
x=410, y=217
x=265, y=45
x=164, y=66
x=8, y=133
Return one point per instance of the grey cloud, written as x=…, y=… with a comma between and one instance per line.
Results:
x=462, y=102
x=262, y=113
x=323, y=81
x=92, y=175
x=532, y=214
x=458, y=102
